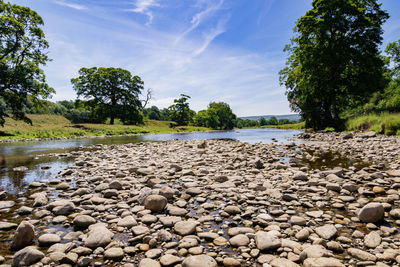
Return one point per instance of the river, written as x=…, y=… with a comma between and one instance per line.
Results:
x=37, y=155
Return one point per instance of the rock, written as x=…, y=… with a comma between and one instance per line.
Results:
x=395, y=213
x=267, y=240
x=98, y=236
x=361, y=255
x=199, y=261
x=62, y=207
x=240, y=230
x=40, y=200
x=27, y=256
x=322, y=262
x=303, y=234
x=300, y=176
x=127, y=221
x=239, y=240
x=231, y=262
x=297, y=220
x=47, y=240
x=170, y=260
x=232, y=210
x=143, y=194
x=83, y=221
x=23, y=236
x=155, y=203
x=20, y=169
x=281, y=262
x=167, y=192
x=7, y=204
x=314, y=251
x=327, y=231
x=185, y=227
x=372, y=240
x=149, y=263
x=114, y=254
x=371, y=213
x=7, y=226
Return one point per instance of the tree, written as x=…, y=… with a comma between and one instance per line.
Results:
x=262, y=121
x=180, y=111
x=334, y=60
x=273, y=121
x=111, y=92
x=393, y=51
x=217, y=116
x=22, y=53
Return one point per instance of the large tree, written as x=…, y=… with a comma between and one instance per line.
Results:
x=111, y=92
x=180, y=111
x=218, y=115
x=334, y=60
x=22, y=53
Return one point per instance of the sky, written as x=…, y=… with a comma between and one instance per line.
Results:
x=211, y=50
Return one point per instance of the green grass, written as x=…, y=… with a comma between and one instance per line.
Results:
x=385, y=123
x=45, y=126
x=291, y=126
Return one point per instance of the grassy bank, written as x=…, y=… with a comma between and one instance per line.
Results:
x=381, y=123
x=45, y=126
x=291, y=126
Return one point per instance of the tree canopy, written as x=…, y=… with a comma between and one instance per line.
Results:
x=334, y=60
x=180, y=111
x=22, y=52
x=218, y=115
x=111, y=93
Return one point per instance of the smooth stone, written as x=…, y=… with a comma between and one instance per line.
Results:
x=199, y=261
x=239, y=240
x=83, y=221
x=155, y=203
x=170, y=260
x=267, y=240
x=231, y=262
x=27, y=256
x=48, y=240
x=7, y=226
x=114, y=254
x=361, y=255
x=98, y=236
x=149, y=263
x=7, y=204
x=372, y=212
x=281, y=262
x=23, y=236
x=127, y=221
x=185, y=227
x=322, y=262
x=372, y=240
x=327, y=231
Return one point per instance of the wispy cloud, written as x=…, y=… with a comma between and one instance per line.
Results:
x=143, y=7
x=198, y=18
x=71, y=5
x=209, y=37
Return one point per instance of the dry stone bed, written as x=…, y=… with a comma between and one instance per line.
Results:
x=216, y=203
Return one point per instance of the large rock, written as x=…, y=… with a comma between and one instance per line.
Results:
x=361, y=255
x=239, y=240
x=40, y=200
x=322, y=262
x=27, y=256
x=23, y=236
x=7, y=204
x=199, y=261
x=83, y=221
x=185, y=227
x=114, y=254
x=281, y=262
x=371, y=213
x=267, y=240
x=155, y=203
x=7, y=226
x=127, y=221
x=98, y=236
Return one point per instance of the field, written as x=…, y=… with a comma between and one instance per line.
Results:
x=46, y=126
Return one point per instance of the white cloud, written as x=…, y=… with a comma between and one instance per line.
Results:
x=71, y=5
x=219, y=29
x=198, y=18
x=143, y=7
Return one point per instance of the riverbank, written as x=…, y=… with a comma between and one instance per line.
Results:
x=388, y=124
x=47, y=127
x=334, y=202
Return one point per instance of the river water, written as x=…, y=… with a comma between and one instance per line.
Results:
x=36, y=155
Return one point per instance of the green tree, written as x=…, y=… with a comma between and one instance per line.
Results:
x=180, y=111
x=225, y=119
x=22, y=53
x=393, y=51
x=111, y=92
x=262, y=121
x=273, y=121
x=334, y=60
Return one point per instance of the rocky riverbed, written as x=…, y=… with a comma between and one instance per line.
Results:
x=333, y=202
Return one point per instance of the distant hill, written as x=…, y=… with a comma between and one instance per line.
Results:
x=291, y=117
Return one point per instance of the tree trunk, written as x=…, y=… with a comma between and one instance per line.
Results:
x=112, y=118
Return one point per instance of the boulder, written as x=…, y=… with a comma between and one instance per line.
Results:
x=23, y=236
x=371, y=213
x=199, y=261
x=27, y=257
x=267, y=240
x=155, y=203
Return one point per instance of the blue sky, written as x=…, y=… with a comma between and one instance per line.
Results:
x=212, y=50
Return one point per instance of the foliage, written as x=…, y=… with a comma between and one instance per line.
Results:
x=154, y=113
x=180, y=111
x=111, y=92
x=217, y=116
x=393, y=51
x=22, y=53
x=334, y=61
x=384, y=123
